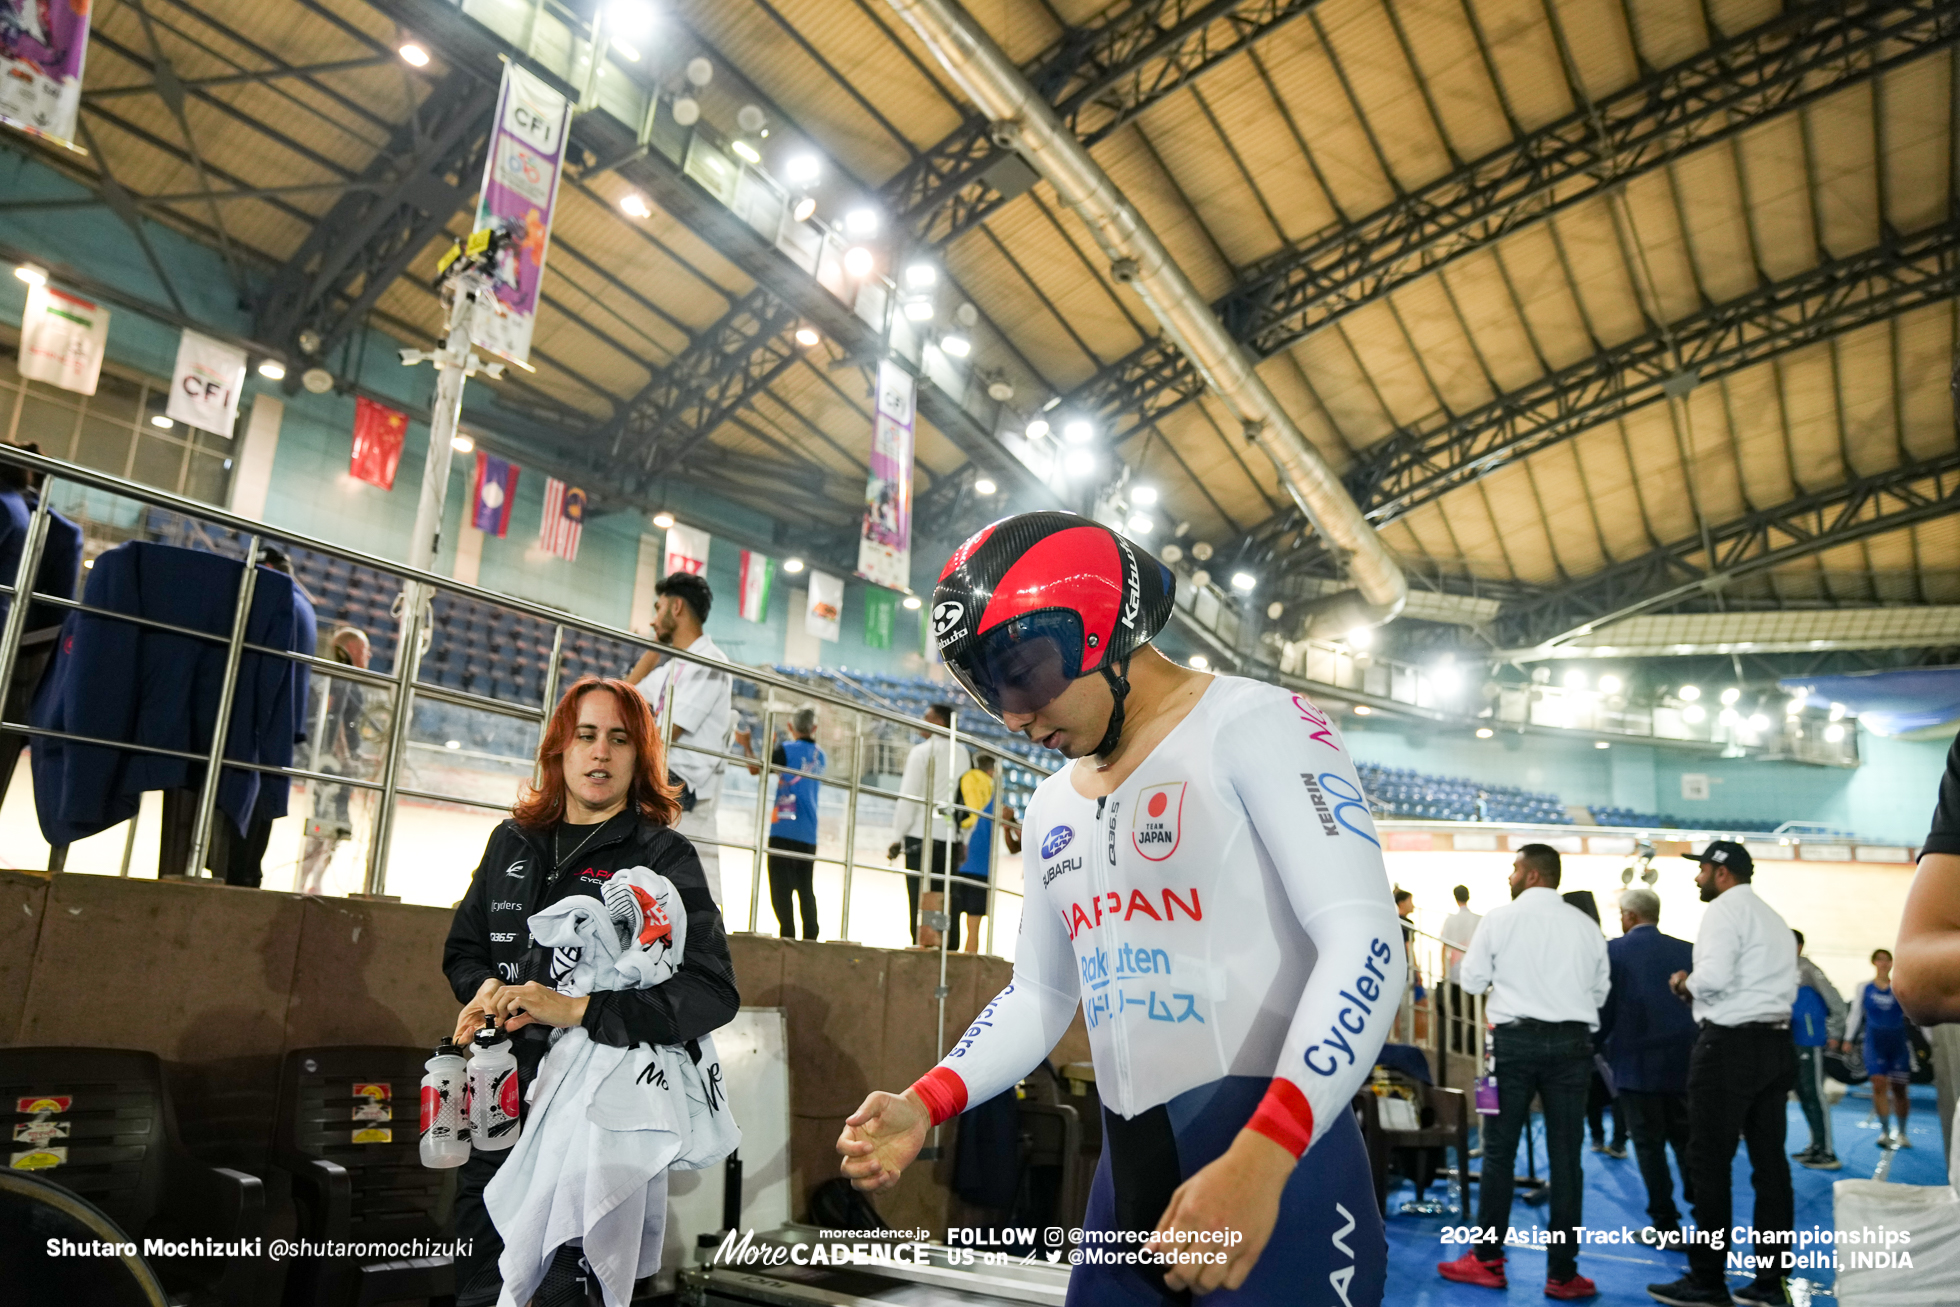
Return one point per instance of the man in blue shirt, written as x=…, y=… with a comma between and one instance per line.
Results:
x=1648, y=1035
x=793, y=826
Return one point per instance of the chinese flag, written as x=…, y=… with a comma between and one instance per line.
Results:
x=378, y=433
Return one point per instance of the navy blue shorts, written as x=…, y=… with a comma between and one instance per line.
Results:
x=1328, y=1244
x=1888, y=1056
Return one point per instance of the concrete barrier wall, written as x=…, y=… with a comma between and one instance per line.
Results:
x=222, y=982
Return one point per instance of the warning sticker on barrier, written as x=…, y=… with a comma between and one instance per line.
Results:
x=44, y=1103
x=41, y=1159
x=379, y=1134
x=373, y=1102
x=40, y=1131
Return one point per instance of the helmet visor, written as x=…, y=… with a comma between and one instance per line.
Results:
x=1024, y=665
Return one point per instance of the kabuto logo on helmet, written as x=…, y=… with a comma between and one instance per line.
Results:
x=1132, y=589
x=946, y=619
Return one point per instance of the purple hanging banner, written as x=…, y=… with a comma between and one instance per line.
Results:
x=520, y=186
x=885, y=545
x=42, y=43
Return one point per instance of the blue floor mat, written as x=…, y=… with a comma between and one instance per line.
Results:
x=1615, y=1198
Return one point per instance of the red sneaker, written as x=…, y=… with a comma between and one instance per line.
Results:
x=1472, y=1269
x=1576, y=1287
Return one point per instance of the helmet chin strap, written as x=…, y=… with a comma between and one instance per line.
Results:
x=1119, y=690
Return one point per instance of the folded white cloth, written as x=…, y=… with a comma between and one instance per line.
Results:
x=606, y=1123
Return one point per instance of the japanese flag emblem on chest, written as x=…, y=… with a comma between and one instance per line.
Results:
x=1157, y=820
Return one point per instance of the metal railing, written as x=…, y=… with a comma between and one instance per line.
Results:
x=403, y=683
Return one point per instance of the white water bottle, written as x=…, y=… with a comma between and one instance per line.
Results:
x=445, y=1130
x=494, y=1106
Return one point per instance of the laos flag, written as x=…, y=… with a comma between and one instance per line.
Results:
x=496, y=486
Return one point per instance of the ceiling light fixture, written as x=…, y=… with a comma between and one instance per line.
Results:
x=1078, y=463
x=32, y=273
x=1362, y=710
x=462, y=444
x=1601, y=744
x=808, y=337
x=861, y=222
x=1244, y=581
x=803, y=169
x=273, y=370
x=1037, y=428
x=414, y=55
x=1485, y=732
x=1834, y=733
x=663, y=519
x=1200, y=662
x=1689, y=693
x=956, y=345
x=1141, y=525
x=1694, y=714
x=984, y=486
x=1611, y=684
x=918, y=310
x=1361, y=637
x=161, y=422
x=921, y=276
x=1575, y=679
x=744, y=150
x=912, y=602
x=1143, y=496
x=804, y=208
x=634, y=205
x=1731, y=695
x=857, y=262
x=792, y=565
x=1078, y=432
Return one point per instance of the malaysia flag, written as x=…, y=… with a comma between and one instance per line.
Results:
x=492, y=493
x=564, y=517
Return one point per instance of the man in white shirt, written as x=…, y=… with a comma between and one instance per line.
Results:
x=1458, y=927
x=1740, y=1074
x=697, y=701
x=1544, y=963
x=948, y=764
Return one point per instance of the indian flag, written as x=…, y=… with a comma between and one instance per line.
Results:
x=756, y=570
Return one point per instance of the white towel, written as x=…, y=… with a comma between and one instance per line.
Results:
x=606, y=1123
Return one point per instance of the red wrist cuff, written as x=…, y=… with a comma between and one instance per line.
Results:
x=943, y=1093
x=1284, y=1117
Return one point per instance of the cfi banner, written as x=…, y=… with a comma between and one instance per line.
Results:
x=378, y=435
x=520, y=188
x=205, y=389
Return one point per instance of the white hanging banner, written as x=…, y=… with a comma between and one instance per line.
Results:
x=823, y=617
x=204, y=391
x=885, y=541
x=687, y=550
x=42, y=47
x=62, y=337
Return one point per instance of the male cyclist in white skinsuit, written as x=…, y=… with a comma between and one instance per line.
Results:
x=1205, y=881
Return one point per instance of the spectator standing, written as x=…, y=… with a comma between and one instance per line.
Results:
x=1876, y=1014
x=909, y=824
x=336, y=740
x=698, y=700
x=1458, y=928
x=1545, y=966
x=1816, y=1023
x=978, y=792
x=1740, y=1074
x=1599, y=1093
x=793, y=825
x=1648, y=1037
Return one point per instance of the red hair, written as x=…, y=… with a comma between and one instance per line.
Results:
x=649, y=793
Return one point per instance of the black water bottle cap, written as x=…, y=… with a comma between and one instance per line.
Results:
x=489, y=1035
x=448, y=1048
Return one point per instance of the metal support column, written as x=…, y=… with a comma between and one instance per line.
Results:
x=30, y=564
x=408, y=657
x=761, y=817
x=207, y=798
x=850, y=826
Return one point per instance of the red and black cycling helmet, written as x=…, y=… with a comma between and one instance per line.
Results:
x=1034, y=601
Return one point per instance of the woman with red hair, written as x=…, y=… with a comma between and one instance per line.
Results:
x=602, y=804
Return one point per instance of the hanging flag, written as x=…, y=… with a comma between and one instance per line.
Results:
x=42, y=43
x=687, y=550
x=564, y=518
x=378, y=435
x=520, y=186
x=885, y=543
x=61, y=335
x=210, y=375
x=756, y=573
x=823, y=615
x=880, y=607
x=491, y=494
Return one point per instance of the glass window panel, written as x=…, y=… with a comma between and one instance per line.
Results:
x=47, y=423
x=159, y=461
x=116, y=399
x=104, y=446
x=207, y=478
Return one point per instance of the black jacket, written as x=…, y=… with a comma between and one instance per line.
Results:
x=489, y=936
